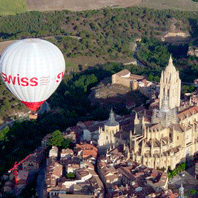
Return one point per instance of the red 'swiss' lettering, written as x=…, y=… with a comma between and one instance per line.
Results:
x=33, y=81
x=10, y=78
x=17, y=80
x=60, y=76
x=4, y=76
x=24, y=82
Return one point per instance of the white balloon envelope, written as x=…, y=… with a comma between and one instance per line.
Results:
x=32, y=69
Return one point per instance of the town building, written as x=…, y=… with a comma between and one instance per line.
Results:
x=33, y=162
x=125, y=178
x=192, y=51
x=127, y=79
x=78, y=162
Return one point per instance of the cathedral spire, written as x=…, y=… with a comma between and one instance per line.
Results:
x=170, y=60
x=136, y=116
x=111, y=116
x=170, y=67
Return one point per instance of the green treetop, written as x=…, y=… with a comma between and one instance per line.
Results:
x=56, y=138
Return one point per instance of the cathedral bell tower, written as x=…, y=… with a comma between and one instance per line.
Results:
x=170, y=86
x=169, y=99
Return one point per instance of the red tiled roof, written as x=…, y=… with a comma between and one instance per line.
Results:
x=87, y=153
x=57, y=169
x=86, y=147
x=188, y=112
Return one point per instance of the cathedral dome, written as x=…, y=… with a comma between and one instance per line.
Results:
x=111, y=121
x=170, y=68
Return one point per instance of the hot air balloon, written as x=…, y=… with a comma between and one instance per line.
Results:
x=32, y=69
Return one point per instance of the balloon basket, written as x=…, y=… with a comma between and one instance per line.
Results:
x=33, y=115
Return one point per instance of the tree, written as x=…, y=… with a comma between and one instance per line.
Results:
x=170, y=176
x=56, y=138
x=192, y=191
x=187, y=89
x=66, y=143
x=3, y=133
x=183, y=166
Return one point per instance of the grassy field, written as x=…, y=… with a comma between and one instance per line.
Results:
x=11, y=7
x=186, y=5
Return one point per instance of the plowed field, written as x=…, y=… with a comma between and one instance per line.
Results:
x=78, y=5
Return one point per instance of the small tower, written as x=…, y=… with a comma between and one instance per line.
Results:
x=181, y=192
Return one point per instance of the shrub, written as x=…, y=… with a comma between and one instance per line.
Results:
x=70, y=176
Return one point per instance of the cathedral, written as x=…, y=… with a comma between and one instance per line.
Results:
x=163, y=137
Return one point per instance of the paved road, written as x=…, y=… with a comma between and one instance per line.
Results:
x=41, y=181
x=135, y=57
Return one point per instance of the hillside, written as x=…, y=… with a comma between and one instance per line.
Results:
x=95, y=37
x=105, y=35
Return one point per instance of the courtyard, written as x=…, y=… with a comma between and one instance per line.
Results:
x=187, y=178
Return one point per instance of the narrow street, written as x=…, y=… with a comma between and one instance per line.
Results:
x=41, y=181
x=96, y=169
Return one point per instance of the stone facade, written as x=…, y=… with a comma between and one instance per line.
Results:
x=171, y=136
x=162, y=137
